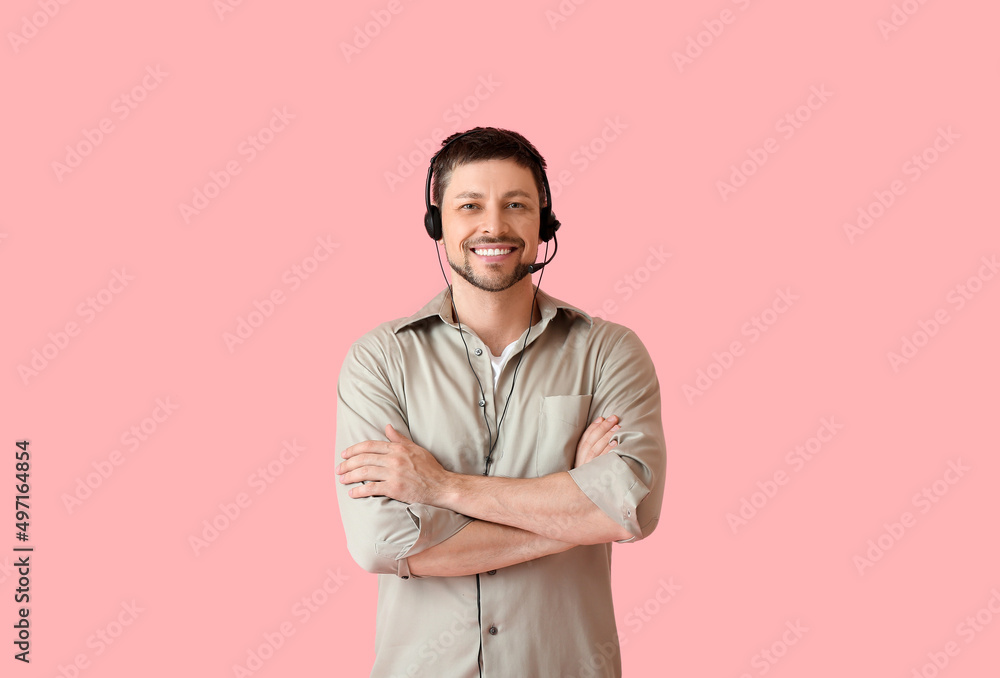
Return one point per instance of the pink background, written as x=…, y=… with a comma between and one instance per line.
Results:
x=651, y=184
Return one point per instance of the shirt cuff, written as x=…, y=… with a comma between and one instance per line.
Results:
x=610, y=483
x=434, y=525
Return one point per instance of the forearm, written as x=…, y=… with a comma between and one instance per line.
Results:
x=482, y=546
x=552, y=506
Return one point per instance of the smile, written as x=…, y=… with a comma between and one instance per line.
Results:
x=493, y=251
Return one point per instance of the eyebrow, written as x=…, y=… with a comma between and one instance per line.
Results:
x=475, y=195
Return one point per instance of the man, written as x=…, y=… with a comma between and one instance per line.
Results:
x=488, y=512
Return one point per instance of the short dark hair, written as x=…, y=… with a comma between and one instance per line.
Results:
x=486, y=143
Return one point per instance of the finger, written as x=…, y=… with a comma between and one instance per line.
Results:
x=609, y=439
x=366, y=490
x=611, y=433
x=605, y=444
x=359, y=460
x=366, y=447
x=597, y=429
x=364, y=474
x=395, y=436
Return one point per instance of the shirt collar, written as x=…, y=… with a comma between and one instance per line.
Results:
x=440, y=306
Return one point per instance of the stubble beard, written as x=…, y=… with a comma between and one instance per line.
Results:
x=489, y=283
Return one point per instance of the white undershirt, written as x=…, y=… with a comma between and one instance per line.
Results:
x=498, y=362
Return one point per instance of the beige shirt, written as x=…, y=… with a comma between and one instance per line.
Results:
x=552, y=616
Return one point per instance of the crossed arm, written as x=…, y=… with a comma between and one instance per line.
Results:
x=517, y=519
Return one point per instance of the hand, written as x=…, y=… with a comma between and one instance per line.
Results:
x=399, y=469
x=596, y=440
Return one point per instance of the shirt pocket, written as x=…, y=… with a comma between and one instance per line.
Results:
x=562, y=420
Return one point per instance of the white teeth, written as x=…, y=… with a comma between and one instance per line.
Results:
x=492, y=253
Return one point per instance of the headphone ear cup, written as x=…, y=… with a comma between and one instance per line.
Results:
x=549, y=224
x=432, y=222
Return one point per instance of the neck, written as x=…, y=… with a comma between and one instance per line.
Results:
x=498, y=318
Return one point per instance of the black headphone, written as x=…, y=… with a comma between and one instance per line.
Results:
x=547, y=223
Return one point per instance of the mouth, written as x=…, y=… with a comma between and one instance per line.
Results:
x=493, y=253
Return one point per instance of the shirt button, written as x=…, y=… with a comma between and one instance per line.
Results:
x=479, y=351
x=492, y=572
x=482, y=403
x=493, y=630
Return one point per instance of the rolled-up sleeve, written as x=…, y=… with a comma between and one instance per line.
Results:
x=627, y=483
x=381, y=532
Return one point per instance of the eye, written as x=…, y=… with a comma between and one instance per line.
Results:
x=515, y=204
x=469, y=204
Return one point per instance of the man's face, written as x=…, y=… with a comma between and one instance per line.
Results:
x=489, y=218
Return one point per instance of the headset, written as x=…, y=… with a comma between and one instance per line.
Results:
x=547, y=223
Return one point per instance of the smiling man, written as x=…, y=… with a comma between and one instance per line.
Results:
x=493, y=445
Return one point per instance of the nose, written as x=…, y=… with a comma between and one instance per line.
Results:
x=494, y=220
